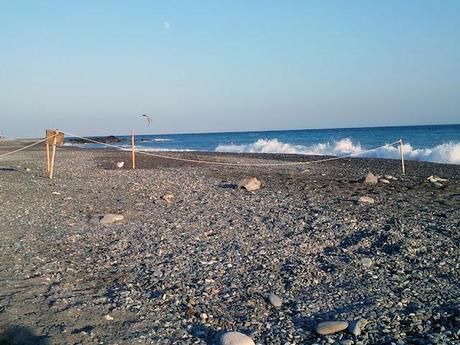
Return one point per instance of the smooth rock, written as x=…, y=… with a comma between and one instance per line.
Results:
x=366, y=262
x=366, y=200
x=347, y=342
x=275, y=300
x=355, y=327
x=168, y=197
x=435, y=178
x=371, y=179
x=236, y=338
x=385, y=181
x=108, y=317
x=390, y=177
x=111, y=218
x=249, y=183
x=438, y=185
x=330, y=327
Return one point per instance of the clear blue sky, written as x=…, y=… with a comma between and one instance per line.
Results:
x=93, y=67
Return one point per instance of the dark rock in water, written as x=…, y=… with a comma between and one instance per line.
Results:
x=111, y=139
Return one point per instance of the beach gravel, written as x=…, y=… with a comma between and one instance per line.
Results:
x=187, y=271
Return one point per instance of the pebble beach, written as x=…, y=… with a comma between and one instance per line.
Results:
x=177, y=253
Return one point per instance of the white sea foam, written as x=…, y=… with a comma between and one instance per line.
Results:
x=444, y=153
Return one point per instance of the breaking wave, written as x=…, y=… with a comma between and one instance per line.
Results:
x=444, y=153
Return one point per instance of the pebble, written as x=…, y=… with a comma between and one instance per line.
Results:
x=371, y=179
x=438, y=185
x=236, y=338
x=385, y=181
x=111, y=218
x=347, y=342
x=330, y=327
x=249, y=183
x=108, y=317
x=168, y=197
x=366, y=262
x=389, y=177
x=275, y=300
x=366, y=199
x=355, y=327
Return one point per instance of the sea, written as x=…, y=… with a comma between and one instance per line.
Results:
x=434, y=143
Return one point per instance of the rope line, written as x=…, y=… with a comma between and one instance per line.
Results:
x=229, y=163
x=28, y=146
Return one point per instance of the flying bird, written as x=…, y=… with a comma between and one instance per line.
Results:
x=148, y=120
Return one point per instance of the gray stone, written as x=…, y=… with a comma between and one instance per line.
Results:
x=347, y=342
x=249, y=183
x=330, y=327
x=111, y=218
x=236, y=338
x=275, y=300
x=355, y=327
x=366, y=200
x=95, y=220
x=371, y=179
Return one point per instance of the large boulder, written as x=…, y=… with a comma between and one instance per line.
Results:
x=371, y=179
x=249, y=183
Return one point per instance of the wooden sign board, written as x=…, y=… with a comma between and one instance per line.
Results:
x=50, y=135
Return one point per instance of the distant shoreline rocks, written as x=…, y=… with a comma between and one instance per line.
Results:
x=111, y=139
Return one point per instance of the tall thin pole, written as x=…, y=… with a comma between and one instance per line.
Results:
x=47, y=149
x=133, y=151
x=403, y=168
x=53, y=154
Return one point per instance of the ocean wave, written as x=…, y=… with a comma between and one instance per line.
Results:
x=444, y=153
x=160, y=140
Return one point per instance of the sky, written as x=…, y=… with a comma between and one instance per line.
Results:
x=94, y=67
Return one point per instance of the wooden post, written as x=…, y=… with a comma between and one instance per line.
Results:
x=47, y=148
x=53, y=154
x=133, y=151
x=403, y=168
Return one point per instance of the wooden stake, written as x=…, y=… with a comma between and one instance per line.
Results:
x=133, y=151
x=403, y=168
x=47, y=148
x=53, y=154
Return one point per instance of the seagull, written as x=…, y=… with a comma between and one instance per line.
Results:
x=120, y=165
x=148, y=120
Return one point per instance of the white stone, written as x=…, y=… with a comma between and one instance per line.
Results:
x=111, y=218
x=108, y=317
x=236, y=338
x=385, y=181
x=366, y=200
x=249, y=183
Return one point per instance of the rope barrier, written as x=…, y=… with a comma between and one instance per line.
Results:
x=229, y=163
x=26, y=147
